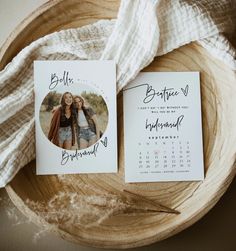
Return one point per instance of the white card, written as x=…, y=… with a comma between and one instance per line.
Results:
x=163, y=127
x=75, y=117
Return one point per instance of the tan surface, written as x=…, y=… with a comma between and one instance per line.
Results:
x=175, y=61
x=214, y=232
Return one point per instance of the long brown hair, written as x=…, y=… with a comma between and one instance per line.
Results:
x=63, y=103
x=86, y=113
x=82, y=99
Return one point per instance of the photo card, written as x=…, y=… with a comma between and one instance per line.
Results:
x=75, y=116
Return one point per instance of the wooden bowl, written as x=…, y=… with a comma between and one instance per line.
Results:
x=192, y=199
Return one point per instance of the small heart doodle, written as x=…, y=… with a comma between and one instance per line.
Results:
x=104, y=142
x=185, y=90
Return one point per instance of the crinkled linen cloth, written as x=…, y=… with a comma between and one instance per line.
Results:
x=143, y=29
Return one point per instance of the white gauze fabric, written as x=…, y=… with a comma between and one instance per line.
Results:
x=144, y=29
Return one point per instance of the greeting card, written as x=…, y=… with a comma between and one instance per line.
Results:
x=163, y=127
x=75, y=117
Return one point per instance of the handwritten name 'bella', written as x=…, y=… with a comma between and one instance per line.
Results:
x=65, y=79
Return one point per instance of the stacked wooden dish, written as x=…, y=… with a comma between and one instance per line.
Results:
x=192, y=199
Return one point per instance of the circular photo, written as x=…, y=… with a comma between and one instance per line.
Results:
x=74, y=120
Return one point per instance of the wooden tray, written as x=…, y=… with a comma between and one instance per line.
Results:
x=192, y=199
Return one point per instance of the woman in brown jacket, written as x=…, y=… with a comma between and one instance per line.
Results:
x=61, y=132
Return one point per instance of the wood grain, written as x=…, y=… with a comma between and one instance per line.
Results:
x=192, y=199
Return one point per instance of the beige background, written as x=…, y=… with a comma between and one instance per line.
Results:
x=216, y=231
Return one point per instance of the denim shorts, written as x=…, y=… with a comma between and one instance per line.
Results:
x=86, y=134
x=65, y=133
